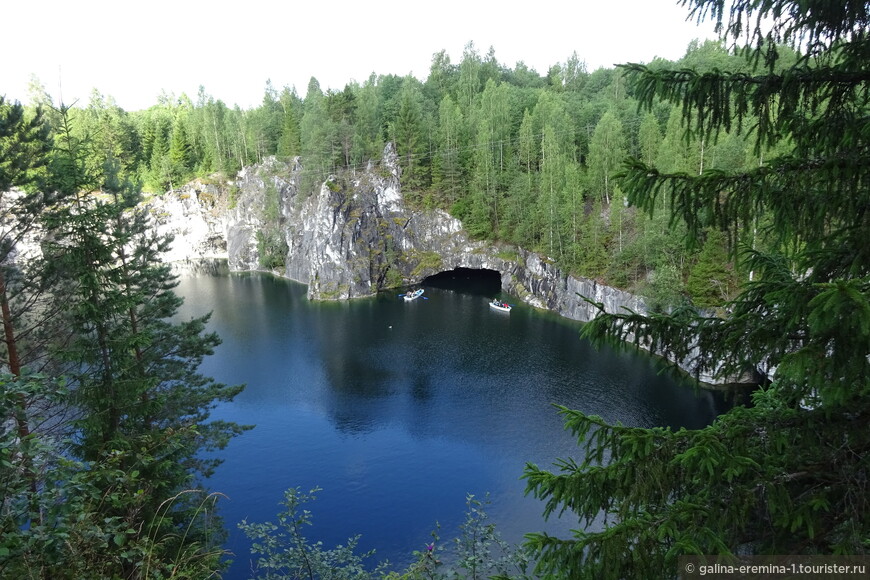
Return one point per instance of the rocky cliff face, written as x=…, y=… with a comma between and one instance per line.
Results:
x=352, y=238
x=196, y=215
x=355, y=236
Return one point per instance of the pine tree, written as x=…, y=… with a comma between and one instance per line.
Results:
x=408, y=132
x=142, y=407
x=24, y=147
x=113, y=137
x=267, y=123
x=592, y=261
x=158, y=135
x=180, y=155
x=289, y=144
x=368, y=141
x=711, y=279
x=785, y=476
x=318, y=136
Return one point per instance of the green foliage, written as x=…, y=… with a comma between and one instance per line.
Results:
x=333, y=186
x=233, y=195
x=784, y=476
x=271, y=249
x=72, y=167
x=447, y=170
x=699, y=492
x=127, y=360
x=103, y=488
x=284, y=551
x=407, y=130
x=662, y=290
x=649, y=138
x=769, y=150
x=480, y=550
x=180, y=160
x=116, y=141
x=426, y=262
x=24, y=144
x=95, y=519
x=25, y=164
x=272, y=200
x=290, y=142
x=319, y=137
x=393, y=278
x=711, y=280
x=591, y=257
x=368, y=140
x=469, y=139
x=606, y=150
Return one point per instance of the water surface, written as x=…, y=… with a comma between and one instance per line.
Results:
x=399, y=409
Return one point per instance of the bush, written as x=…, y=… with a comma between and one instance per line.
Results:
x=283, y=551
x=271, y=249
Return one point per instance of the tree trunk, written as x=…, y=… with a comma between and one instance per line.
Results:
x=21, y=421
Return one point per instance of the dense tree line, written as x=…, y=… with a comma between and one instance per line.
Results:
x=520, y=157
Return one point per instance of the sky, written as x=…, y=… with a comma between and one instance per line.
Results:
x=134, y=51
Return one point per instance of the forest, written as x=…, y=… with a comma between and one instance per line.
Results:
x=729, y=188
x=520, y=157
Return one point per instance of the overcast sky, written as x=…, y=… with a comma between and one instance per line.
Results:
x=133, y=51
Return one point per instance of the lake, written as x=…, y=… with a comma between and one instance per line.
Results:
x=398, y=410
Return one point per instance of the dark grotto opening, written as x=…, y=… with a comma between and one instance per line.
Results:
x=467, y=280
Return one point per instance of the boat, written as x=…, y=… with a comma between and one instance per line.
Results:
x=497, y=304
x=413, y=295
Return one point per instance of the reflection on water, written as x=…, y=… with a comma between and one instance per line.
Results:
x=399, y=409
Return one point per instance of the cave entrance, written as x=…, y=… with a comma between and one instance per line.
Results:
x=467, y=280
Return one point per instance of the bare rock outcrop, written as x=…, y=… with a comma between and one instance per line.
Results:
x=355, y=236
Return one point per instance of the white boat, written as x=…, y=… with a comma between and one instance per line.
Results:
x=413, y=295
x=500, y=306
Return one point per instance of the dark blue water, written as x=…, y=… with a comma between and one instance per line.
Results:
x=399, y=409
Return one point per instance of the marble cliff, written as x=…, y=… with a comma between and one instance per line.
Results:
x=355, y=236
